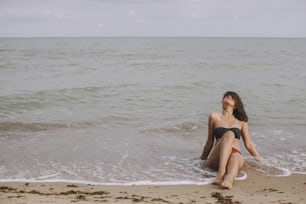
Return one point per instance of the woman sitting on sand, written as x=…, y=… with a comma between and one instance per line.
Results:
x=227, y=127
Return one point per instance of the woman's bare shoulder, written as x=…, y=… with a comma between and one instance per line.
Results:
x=214, y=115
x=244, y=125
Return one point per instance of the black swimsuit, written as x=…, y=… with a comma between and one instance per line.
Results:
x=219, y=132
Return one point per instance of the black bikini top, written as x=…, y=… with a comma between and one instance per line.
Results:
x=219, y=132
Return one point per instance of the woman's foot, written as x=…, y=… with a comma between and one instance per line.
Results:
x=227, y=183
x=219, y=178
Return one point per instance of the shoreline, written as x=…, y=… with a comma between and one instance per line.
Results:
x=255, y=189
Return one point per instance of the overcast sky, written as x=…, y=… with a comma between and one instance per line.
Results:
x=264, y=18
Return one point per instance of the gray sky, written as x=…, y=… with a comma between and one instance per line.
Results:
x=264, y=18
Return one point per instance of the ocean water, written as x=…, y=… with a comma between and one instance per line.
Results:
x=135, y=110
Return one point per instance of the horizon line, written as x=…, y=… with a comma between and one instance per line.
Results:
x=157, y=36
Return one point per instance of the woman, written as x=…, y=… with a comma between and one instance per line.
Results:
x=227, y=127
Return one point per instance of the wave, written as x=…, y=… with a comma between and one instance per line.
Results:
x=63, y=97
x=186, y=127
x=30, y=127
x=266, y=168
x=7, y=50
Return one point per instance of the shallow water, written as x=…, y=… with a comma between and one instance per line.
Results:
x=122, y=110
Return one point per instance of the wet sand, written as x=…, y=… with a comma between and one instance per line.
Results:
x=255, y=189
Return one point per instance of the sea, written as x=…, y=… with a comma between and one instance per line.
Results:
x=134, y=110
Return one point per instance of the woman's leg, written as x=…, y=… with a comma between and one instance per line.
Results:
x=225, y=150
x=235, y=163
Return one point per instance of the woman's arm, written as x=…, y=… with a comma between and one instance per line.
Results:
x=210, y=138
x=248, y=142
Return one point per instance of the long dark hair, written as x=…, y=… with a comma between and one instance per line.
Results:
x=239, y=111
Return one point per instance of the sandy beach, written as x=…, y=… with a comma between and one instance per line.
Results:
x=255, y=189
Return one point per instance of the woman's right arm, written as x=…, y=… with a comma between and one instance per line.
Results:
x=210, y=138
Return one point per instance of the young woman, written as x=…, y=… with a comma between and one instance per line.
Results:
x=227, y=127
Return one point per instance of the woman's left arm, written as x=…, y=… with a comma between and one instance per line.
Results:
x=248, y=142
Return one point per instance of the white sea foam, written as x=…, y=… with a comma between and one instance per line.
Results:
x=187, y=182
x=242, y=176
x=266, y=167
x=45, y=177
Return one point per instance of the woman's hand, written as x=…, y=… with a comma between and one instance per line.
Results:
x=258, y=158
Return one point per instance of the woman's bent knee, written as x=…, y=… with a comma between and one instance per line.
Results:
x=229, y=135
